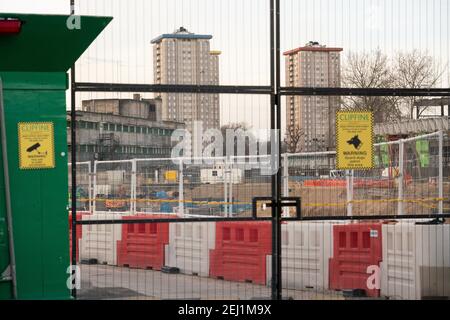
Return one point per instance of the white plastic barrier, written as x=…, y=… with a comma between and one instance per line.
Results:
x=189, y=245
x=399, y=275
x=434, y=260
x=305, y=253
x=416, y=261
x=100, y=241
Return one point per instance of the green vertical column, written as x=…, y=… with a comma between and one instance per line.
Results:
x=38, y=196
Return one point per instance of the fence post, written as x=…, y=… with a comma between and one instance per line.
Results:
x=286, y=181
x=401, y=166
x=441, y=172
x=349, y=183
x=225, y=188
x=94, y=196
x=133, y=186
x=352, y=190
x=90, y=186
x=230, y=185
x=181, y=190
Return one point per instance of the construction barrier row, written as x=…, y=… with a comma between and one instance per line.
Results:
x=403, y=260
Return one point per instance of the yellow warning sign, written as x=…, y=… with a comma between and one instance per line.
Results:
x=171, y=176
x=354, y=140
x=36, y=145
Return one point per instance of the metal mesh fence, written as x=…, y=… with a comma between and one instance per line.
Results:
x=157, y=186
x=423, y=176
x=408, y=178
x=407, y=181
x=113, y=189
x=84, y=186
x=403, y=181
x=191, y=260
x=322, y=188
x=133, y=178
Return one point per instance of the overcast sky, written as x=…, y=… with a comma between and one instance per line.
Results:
x=240, y=29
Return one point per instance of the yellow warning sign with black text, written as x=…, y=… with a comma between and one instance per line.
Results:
x=354, y=140
x=36, y=145
x=171, y=176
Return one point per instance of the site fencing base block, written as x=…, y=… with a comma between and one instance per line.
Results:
x=89, y=261
x=267, y=298
x=354, y=293
x=171, y=270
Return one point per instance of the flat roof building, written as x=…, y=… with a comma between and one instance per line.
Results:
x=312, y=65
x=117, y=129
x=181, y=58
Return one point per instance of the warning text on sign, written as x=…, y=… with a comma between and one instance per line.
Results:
x=36, y=145
x=354, y=135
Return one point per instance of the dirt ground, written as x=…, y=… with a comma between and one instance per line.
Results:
x=420, y=198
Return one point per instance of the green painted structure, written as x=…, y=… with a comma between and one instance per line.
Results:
x=33, y=69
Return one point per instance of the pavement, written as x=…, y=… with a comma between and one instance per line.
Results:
x=102, y=282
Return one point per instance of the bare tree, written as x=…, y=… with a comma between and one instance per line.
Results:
x=293, y=139
x=414, y=70
x=370, y=70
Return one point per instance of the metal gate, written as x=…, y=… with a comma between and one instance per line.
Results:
x=284, y=223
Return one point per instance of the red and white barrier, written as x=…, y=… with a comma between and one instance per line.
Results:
x=416, y=261
x=306, y=248
x=143, y=244
x=99, y=241
x=357, y=248
x=406, y=260
x=241, y=251
x=189, y=245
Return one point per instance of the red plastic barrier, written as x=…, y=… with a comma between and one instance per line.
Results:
x=142, y=245
x=356, y=247
x=358, y=183
x=241, y=250
x=79, y=233
x=325, y=183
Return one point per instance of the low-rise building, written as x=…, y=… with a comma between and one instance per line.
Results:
x=117, y=129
